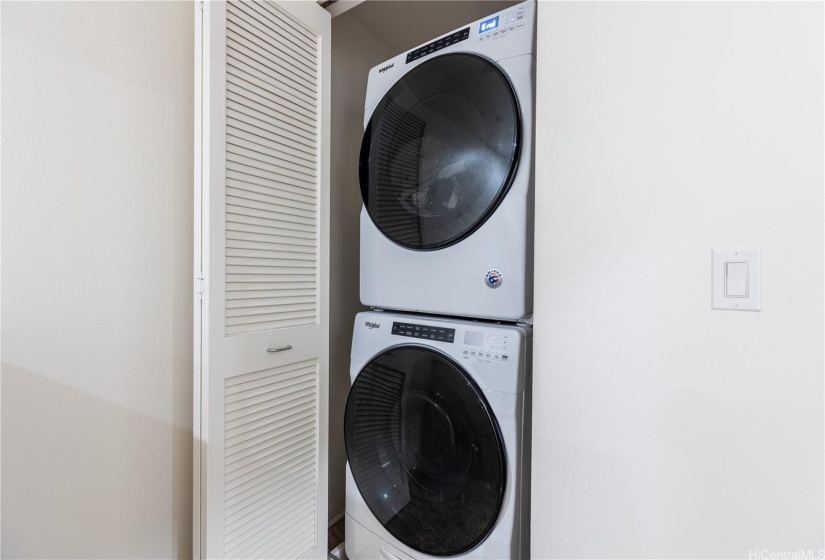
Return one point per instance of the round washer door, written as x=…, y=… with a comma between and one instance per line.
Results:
x=440, y=151
x=425, y=451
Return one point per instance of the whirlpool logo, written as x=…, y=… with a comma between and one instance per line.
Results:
x=385, y=68
x=371, y=325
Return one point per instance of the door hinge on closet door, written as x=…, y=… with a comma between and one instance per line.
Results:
x=200, y=5
x=199, y=282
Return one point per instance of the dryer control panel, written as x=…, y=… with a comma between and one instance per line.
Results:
x=486, y=346
x=437, y=45
x=503, y=24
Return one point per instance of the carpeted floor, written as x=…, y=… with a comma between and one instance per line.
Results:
x=335, y=535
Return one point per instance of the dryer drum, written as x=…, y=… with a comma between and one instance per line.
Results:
x=440, y=151
x=425, y=450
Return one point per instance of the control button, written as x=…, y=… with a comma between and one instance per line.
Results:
x=465, y=352
x=497, y=357
x=505, y=357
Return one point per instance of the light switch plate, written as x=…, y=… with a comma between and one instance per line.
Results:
x=737, y=279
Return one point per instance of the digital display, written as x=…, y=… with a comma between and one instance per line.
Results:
x=473, y=338
x=440, y=334
x=488, y=24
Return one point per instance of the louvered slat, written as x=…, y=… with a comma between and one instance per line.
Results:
x=254, y=414
x=252, y=104
x=254, y=192
x=240, y=230
x=248, y=280
x=271, y=461
x=254, y=491
x=271, y=169
x=265, y=66
x=259, y=151
x=301, y=42
x=237, y=123
x=272, y=219
x=272, y=202
x=265, y=422
x=261, y=504
x=270, y=173
x=267, y=245
x=296, y=45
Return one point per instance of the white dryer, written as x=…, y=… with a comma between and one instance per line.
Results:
x=437, y=434
x=446, y=173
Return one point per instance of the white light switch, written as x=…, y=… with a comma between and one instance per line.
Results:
x=736, y=279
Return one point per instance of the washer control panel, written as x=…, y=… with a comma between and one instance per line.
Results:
x=504, y=23
x=487, y=347
x=413, y=330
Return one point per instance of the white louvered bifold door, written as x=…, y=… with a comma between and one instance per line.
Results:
x=262, y=190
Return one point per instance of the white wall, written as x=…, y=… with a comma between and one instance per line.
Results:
x=97, y=105
x=664, y=429
x=354, y=51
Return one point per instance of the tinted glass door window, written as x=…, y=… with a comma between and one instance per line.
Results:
x=425, y=451
x=440, y=151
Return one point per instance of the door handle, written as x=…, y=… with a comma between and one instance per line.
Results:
x=282, y=349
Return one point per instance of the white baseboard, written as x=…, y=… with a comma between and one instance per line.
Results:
x=336, y=518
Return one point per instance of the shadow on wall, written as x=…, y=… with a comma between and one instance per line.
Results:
x=56, y=516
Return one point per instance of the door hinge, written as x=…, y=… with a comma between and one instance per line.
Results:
x=200, y=5
x=199, y=286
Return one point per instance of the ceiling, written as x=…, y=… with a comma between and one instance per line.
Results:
x=338, y=7
x=404, y=24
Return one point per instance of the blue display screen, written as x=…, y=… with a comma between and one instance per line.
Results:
x=488, y=24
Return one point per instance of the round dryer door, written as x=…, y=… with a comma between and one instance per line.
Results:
x=440, y=151
x=425, y=451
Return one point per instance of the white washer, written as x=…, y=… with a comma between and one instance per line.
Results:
x=437, y=433
x=446, y=173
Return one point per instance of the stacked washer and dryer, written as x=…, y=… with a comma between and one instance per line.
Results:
x=437, y=424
